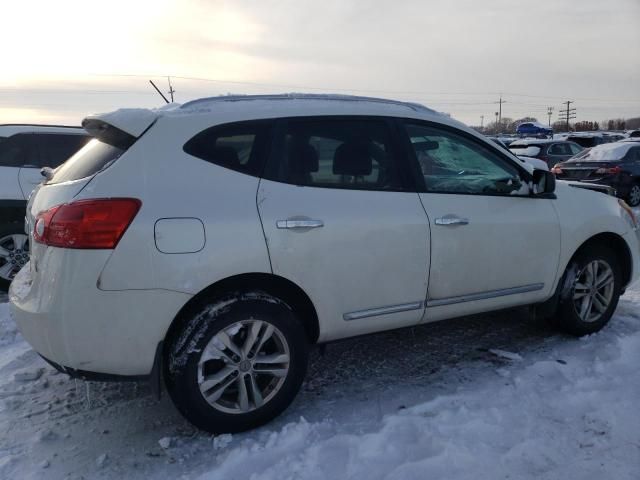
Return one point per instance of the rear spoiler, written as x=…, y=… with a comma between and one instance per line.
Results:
x=120, y=128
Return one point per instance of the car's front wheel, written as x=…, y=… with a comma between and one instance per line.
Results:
x=590, y=291
x=236, y=363
x=633, y=199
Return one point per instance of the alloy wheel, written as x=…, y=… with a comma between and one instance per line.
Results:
x=593, y=290
x=243, y=366
x=634, y=195
x=14, y=254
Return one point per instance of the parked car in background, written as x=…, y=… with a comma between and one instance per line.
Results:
x=549, y=151
x=219, y=239
x=614, y=164
x=587, y=139
x=533, y=129
x=635, y=134
x=24, y=151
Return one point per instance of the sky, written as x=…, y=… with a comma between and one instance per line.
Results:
x=65, y=59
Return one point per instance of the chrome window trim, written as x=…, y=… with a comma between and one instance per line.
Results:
x=485, y=295
x=374, y=312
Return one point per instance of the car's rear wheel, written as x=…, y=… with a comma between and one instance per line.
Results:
x=14, y=253
x=590, y=292
x=237, y=363
x=633, y=199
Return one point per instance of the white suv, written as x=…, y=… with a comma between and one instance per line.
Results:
x=24, y=151
x=212, y=243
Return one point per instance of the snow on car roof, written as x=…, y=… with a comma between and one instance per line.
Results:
x=608, y=151
x=531, y=141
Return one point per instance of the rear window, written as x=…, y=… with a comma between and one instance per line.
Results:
x=525, y=150
x=91, y=159
x=611, y=152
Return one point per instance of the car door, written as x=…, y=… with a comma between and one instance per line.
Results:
x=492, y=245
x=343, y=223
x=559, y=152
x=12, y=155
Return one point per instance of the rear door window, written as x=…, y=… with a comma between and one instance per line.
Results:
x=18, y=150
x=336, y=152
x=54, y=149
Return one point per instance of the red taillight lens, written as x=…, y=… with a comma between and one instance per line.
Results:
x=610, y=171
x=86, y=224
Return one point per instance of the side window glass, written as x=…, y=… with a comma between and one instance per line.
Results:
x=451, y=163
x=233, y=146
x=575, y=149
x=336, y=153
x=55, y=149
x=17, y=150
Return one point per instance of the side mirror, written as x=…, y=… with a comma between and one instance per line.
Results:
x=543, y=182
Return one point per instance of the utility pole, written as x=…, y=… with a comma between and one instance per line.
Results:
x=499, y=113
x=171, y=90
x=481, y=122
x=497, y=131
x=549, y=112
x=567, y=113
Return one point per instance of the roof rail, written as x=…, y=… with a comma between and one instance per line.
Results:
x=36, y=125
x=306, y=96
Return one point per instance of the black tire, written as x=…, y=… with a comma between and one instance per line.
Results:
x=567, y=317
x=6, y=230
x=633, y=199
x=184, y=350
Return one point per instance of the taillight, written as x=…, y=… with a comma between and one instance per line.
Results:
x=609, y=170
x=556, y=170
x=86, y=224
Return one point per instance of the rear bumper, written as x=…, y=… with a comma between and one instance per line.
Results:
x=82, y=329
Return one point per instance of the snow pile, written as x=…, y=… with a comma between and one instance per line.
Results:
x=488, y=398
x=571, y=415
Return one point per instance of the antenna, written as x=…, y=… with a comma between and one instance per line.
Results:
x=158, y=90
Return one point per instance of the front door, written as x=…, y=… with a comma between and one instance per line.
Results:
x=341, y=222
x=492, y=244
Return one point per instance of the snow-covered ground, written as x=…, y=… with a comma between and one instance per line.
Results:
x=488, y=397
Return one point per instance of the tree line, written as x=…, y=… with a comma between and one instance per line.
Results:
x=509, y=125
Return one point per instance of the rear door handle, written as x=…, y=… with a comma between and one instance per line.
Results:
x=292, y=224
x=451, y=220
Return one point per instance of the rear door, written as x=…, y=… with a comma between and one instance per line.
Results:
x=343, y=222
x=492, y=245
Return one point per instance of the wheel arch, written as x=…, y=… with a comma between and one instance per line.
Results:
x=277, y=286
x=616, y=243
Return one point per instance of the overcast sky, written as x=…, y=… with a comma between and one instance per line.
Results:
x=62, y=60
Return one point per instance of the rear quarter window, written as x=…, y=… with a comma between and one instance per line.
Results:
x=236, y=146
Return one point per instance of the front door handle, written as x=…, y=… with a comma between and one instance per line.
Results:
x=299, y=224
x=452, y=220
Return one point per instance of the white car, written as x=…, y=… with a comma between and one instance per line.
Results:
x=24, y=151
x=214, y=242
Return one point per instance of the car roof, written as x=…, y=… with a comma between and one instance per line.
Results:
x=230, y=108
x=9, y=129
x=613, y=151
x=534, y=141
